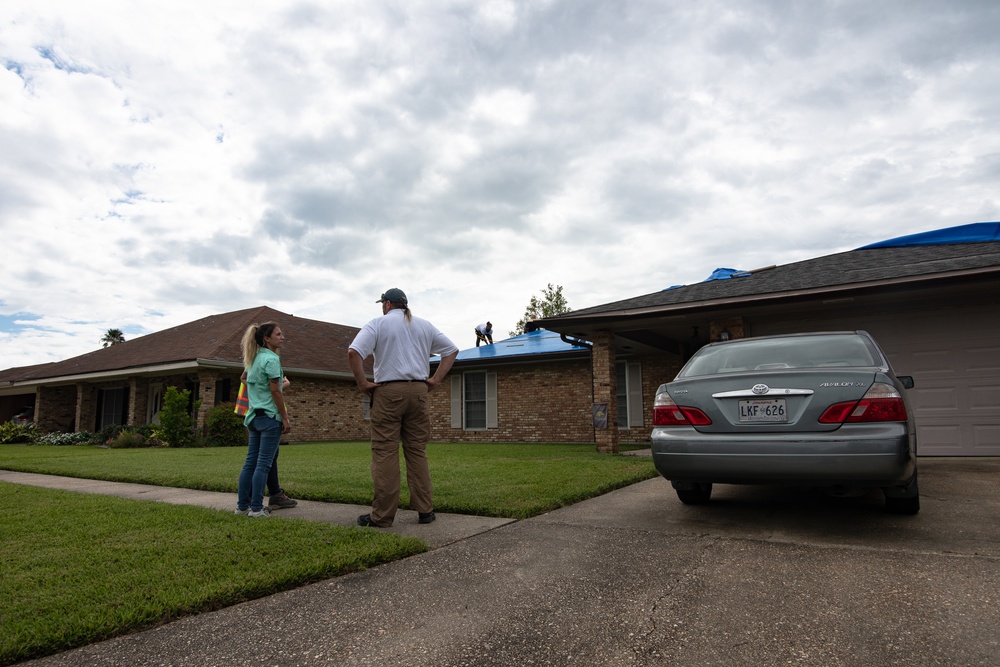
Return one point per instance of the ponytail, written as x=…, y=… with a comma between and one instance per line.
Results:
x=253, y=340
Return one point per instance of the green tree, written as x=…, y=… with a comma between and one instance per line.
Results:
x=176, y=427
x=112, y=337
x=551, y=303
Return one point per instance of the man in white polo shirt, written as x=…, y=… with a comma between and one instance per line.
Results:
x=402, y=345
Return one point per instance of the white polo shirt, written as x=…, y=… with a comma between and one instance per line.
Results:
x=402, y=349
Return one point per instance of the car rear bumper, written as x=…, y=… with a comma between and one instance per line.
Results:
x=866, y=455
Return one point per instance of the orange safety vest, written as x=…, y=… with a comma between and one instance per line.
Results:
x=242, y=401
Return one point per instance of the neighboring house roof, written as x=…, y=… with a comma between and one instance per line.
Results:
x=310, y=345
x=538, y=345
x=876, y=265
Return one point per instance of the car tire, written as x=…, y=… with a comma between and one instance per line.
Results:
x=909, y=504
x=903, y=505
x=698, y=494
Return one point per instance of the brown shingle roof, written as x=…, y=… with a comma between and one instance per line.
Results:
x=309, y=345
x=851, y=269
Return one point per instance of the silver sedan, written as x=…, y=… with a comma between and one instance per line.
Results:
x=817, y=409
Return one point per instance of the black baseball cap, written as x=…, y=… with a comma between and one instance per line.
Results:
x=394, y=295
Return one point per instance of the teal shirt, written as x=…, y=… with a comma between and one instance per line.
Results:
x=266, y=366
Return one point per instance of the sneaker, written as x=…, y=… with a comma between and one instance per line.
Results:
x=261, y=513
x=426, y=517
x=281, y=500
x=243, y=512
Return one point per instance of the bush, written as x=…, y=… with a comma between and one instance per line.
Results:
x=177, y=428
x=11, y=433
x=224, y=428
x=132, y=437
x=60, y=439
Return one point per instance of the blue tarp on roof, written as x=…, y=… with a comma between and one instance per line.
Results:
x=976, y=232
x=540, y=341
x=719, y=274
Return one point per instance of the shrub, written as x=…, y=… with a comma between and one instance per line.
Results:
x=81, y=438
x=11, y=433
x=177, y=428
x=139, y=436
x=224, y=428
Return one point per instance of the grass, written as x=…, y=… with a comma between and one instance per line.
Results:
x=79, y=568
x=516, y=481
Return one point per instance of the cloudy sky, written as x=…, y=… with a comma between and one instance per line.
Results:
x=164, y=161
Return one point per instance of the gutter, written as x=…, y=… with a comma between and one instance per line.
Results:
x=163, y=369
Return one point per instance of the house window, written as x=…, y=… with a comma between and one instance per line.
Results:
x=155, y=403
x=474, y=400
x=628, y=381
x=111, y=407
x=223, y=391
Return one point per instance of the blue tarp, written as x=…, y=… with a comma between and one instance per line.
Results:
x=718, y=274
x=540, y=341
x=976, y=232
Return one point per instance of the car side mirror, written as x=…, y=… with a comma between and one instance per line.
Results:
x=907, y=381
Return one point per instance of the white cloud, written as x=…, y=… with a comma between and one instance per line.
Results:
x=160, y=163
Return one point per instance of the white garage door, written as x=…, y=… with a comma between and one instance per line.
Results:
x=954, y=358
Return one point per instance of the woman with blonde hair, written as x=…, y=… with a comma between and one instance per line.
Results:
x=267, y=416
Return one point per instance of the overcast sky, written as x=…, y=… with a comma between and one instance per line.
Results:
x=165, y=161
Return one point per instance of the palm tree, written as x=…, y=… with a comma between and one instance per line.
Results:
x=112, y=337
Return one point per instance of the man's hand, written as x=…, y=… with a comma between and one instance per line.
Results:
x=366, y=387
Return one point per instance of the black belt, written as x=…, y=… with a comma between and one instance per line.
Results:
x=394, y=381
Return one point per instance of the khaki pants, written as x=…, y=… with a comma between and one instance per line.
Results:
x=400, y=412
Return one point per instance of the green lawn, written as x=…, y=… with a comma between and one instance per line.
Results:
x=79, y=568
x=516, y=481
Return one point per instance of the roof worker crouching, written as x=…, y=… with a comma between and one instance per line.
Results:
x=484, y=333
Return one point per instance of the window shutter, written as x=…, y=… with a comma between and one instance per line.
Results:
x=492, y=420
x=456, y=401
x=635, y=413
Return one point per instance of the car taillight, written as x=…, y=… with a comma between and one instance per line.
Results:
x=881, y=403
x=667, y=413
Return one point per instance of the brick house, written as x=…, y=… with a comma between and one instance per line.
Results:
x=932, y=300
x=538, y=387
x=125, y=383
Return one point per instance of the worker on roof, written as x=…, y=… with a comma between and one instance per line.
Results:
x=484, y=333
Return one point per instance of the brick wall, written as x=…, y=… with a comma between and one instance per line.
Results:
x=655, y=371
x=55, y=409
x=548, y=402
x=325, y=410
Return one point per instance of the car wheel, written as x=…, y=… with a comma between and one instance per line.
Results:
x=698, y=494
x=903, y=505
x=908, y=504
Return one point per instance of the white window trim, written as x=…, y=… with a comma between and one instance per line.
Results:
x=458, y=402
x=633, y=394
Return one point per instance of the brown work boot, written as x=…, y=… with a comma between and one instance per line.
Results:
x=281, y=500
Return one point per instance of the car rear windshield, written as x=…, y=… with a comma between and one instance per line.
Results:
x=825, y=351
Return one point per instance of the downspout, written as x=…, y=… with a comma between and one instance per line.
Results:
x=569, y=340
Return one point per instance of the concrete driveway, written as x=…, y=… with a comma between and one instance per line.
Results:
x=758, y=577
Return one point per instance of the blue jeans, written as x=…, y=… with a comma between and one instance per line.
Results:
x=265, y=434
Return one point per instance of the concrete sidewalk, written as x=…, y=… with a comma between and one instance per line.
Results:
x=447, y=529
x=760, y=576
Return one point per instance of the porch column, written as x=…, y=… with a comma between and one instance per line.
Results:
x=605, y=391
x=86, y=407
x=138, y=397
x=206, y=394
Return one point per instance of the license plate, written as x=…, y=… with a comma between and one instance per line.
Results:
x=763, y=410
